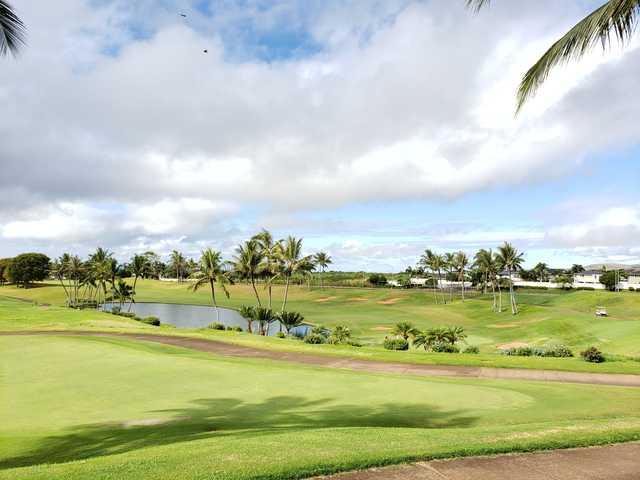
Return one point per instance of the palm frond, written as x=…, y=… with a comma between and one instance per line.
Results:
x=477, y=5
x=12, y=30
x=615, y=17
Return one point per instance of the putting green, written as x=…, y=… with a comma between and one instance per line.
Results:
x=144, y=410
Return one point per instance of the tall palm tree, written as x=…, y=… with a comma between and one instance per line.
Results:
x=12, y=30
x=139, y=267
x=461, y=262
x=248, y=263
x=616, y=18
x=541, y=271
x=179, y=263
x=511, y=260
x=210, y=273
x=322, y=260
x=270, y=262
x=450, y=267
x=434, y=263
x=292, y=262
x=101, y=271
x=123, y=292
x=486, y=261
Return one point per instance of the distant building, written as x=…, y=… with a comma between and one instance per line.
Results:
x=394, y=283
x=634, y=278
x=418, y=282
x=515, y=276
x=588, y=276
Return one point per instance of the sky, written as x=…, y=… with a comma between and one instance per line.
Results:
x=372, y=129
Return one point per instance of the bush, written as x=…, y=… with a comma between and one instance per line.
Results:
x=315, y=339
x=238, y=329
x=518, y=351
x=280, y=335
x=353, y=343
x=631, y=289
x=559, y=351
x=229, y=328
x=396, y=344
x=377, y=279
x=471, y=349
x=127, y=314
x=216, y=326
x=444, y=347
x=151, y=321
x=115, y=310
x=593, y=355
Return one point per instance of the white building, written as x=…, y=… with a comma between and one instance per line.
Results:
x=418, y=282
x=394, y=283
x=589, y=277
x=634, y=279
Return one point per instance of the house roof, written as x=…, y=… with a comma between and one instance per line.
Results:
x=590, y=272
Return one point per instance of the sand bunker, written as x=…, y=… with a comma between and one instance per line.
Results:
x=390, y=301
x=503, y=325
x=358, y=299
x=325, y=299
x=381, y=329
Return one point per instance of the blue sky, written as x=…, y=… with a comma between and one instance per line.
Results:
x=374, y=130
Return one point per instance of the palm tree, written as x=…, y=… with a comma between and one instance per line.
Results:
x=139, y=268
x=461, y=262
x=405, y=330
x=264, y=317
x=269, y=269
x=12, y=30
x=486, y=261
x=454, y=335
x=427, y=338
x=450, y=264
x=541, y=271
x=614, y=17
x=290, y=320
x=322, y=260
x=210, y=273
x=248, y=263
x=511, y=260
x=179, y=263
x=339, y=335
x=434, y=263
x=289, y=254
x=248, y=313
x=102, y=271
x=123, y=292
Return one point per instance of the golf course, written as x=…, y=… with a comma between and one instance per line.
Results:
x=84, y=406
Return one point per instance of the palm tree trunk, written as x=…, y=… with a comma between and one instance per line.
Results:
x=499, y=298
x=512, y=300
x=255, y=290
x=493, y=291
x=269, y=290
x=435, y=290
x=213, y=299
x=462, y=286
x=286, y=293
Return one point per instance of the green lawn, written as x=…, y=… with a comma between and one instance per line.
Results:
x=78, y=408
x=545, y=317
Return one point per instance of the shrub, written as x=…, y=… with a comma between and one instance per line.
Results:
x=280, y=335
x=137, y=318
x=560, y=351
x=518, y=351
x=151, y=321
x=115, y=310
x=396, y=344
x=377, y=279
x=315, y=339
x=593, y=355
x=631, y=289
x=471, y=349
x=444, y=347
x=216, y=326
x=127, y=314
x=353, y=343
x=238, y=329
x=229, y=328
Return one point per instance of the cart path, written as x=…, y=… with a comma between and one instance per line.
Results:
x=613, y=462
x=375, y=366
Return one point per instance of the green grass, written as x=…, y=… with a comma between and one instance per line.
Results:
x=78, y=407
x=546, y=317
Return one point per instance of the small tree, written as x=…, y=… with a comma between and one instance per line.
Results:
x=290, y=320
x=405, y=330
x=5, y=264
x=28, y=268
x=610, y=279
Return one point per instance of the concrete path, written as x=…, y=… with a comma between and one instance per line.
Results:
x=228, y=349
x=615, y=462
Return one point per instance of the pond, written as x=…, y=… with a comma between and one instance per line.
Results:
x=199, y=316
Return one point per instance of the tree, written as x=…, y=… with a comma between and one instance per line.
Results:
x=178, y=263
x=211, y=273
x=322, y=260
x=435, y=263
x=248, y=313
x=5, y=264
x=123, y=292
x=460, y=263
x=576, y=269
x=265, y=317
x=487, y=262
x=450, y=265
x=139, y=267
x=405, y=330
x=28, y=268
x=541, y=271
x=248, y=263
x=12, y=30
x=291, y=260
x=615, y=17
x=610, y=279
x=290, y=320
x=340, y=335
x=511, y=260
x=269, y=259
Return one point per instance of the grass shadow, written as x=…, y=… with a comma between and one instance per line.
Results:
x=224, y=417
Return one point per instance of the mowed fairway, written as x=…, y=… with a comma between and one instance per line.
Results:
x=549, y=316
x=136, y=410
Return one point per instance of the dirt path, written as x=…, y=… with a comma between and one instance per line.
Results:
x=221, y=348
x=614, y=462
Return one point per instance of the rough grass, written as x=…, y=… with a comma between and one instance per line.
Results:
x=112, y=408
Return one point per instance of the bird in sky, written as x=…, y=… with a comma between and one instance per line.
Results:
x=183, y=15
